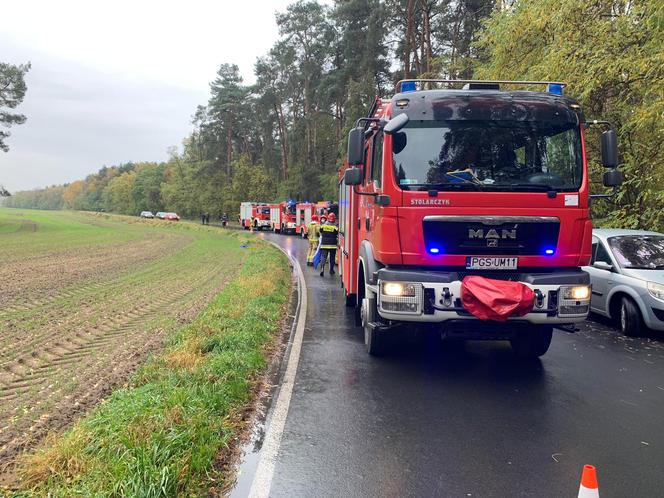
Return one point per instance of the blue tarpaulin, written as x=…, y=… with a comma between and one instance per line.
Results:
x=316, y=258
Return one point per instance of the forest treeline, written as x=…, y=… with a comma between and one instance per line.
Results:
x=284, y=136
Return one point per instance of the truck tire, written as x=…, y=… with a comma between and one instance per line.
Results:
x=532, y=343
x=374, y=339
x=630, y=321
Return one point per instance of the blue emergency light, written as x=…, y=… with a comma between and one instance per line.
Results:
x=408, y=86
x=549, y=252
x=554, y=88
x=434, y=250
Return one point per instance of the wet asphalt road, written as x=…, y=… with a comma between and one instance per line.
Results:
x=428, y=422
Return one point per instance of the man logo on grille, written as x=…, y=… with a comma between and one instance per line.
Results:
x=491, y=234
x=492, y=242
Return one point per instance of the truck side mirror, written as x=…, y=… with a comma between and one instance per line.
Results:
x=353, y=176
x=613, y=178
x=609, y=149
x=355, y=148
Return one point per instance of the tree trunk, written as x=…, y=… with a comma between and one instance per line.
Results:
x=283, y=139
x=229, y=146
x=410, y=13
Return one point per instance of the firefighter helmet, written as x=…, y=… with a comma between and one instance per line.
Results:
x=331, y=217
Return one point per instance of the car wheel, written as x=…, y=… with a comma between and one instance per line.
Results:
x=629, y=318
x=532, y=343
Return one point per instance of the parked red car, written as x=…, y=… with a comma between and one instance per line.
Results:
x=171, y=217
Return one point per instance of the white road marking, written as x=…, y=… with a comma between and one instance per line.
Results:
x=260, y=487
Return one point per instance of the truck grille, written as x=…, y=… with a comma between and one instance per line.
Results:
x=492, y=235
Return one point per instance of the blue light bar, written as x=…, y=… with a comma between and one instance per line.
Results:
x=408, y=86
x=548, y=252
x=554, y=88
x=434, y=250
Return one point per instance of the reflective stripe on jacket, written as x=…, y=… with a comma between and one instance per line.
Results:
x=329, y=235
x=313, y=231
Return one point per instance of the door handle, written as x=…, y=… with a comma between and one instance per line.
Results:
x=367, y=224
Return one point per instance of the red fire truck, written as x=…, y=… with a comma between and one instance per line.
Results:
x=326, y=207
x=282, y=217
x=484, y=180
x=303, y=212
x=256, y=214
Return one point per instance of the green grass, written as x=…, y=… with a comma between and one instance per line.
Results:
x=160, y=435
x=60, y=230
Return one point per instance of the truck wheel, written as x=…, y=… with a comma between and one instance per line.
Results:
x=374, y=340
x=629, y=319
x=532, y=343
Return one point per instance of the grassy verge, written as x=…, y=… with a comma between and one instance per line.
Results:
x=160, y=435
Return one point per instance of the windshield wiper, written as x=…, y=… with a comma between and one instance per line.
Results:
x=465, y=185
x=524, y=186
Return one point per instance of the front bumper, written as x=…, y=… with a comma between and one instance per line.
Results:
x=264, y=223
x=654, y=316
x=437, y=299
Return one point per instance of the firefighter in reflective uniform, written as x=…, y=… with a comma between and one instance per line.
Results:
x=313, y=232
x=329, y=235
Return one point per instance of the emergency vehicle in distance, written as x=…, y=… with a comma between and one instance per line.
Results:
x=444, y=183
x=303, y=213
x=282, y=217
x=256, y=214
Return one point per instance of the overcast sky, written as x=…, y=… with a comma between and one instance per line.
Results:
x=118, y=81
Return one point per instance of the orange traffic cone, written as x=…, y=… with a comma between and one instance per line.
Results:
x=588, y=488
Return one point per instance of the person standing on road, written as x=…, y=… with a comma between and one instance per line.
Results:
x=313, y=232
x=329, y=236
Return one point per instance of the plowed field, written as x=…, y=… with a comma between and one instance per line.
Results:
x=83, y=299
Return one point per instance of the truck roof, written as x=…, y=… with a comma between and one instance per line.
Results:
x=495, y=105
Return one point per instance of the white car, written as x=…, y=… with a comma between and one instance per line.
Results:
x=627, y=277
x=146, y=214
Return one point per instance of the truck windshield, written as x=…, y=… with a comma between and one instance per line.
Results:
x=488, y=155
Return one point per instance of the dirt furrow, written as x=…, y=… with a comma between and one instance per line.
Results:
x=86, y=363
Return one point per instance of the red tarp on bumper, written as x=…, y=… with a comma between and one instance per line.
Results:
x=489, y=299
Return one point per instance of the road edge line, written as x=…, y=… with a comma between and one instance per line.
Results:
x=262, y=482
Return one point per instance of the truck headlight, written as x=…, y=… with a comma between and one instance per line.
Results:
x=656, y=290
x=400, y=297
x=394, y=289
x=576, y=292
